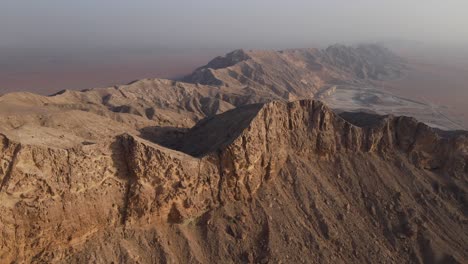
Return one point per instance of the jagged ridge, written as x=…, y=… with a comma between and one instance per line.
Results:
x=299, y=73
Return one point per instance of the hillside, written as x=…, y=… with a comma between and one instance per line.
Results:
x=229, y=166
x=295, y=183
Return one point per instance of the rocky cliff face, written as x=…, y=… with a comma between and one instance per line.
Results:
x=277, y=182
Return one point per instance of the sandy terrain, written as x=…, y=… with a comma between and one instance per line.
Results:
x=382, y=102
x=442, y=84
x=51, y=73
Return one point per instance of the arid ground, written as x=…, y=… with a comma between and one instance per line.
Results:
x=236, y=163
x=443, y=83
x=47, y=73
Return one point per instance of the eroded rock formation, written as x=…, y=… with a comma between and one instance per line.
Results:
x=276, y=182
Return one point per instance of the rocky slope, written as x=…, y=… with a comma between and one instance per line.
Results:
x=159, y=171
x=155, y=107
x=71, y=117
x=265, y=183
x=299, y=73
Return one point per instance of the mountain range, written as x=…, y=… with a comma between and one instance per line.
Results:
x=235, y=163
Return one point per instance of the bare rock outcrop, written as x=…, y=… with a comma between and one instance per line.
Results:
x=276, y=182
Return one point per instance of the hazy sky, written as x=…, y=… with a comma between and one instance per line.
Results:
x=220, y=23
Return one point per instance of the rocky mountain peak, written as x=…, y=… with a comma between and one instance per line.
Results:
x=239, y=164
x=228, y=60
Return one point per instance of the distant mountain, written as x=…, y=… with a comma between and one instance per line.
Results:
x=238, y=78
x=299, y=73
